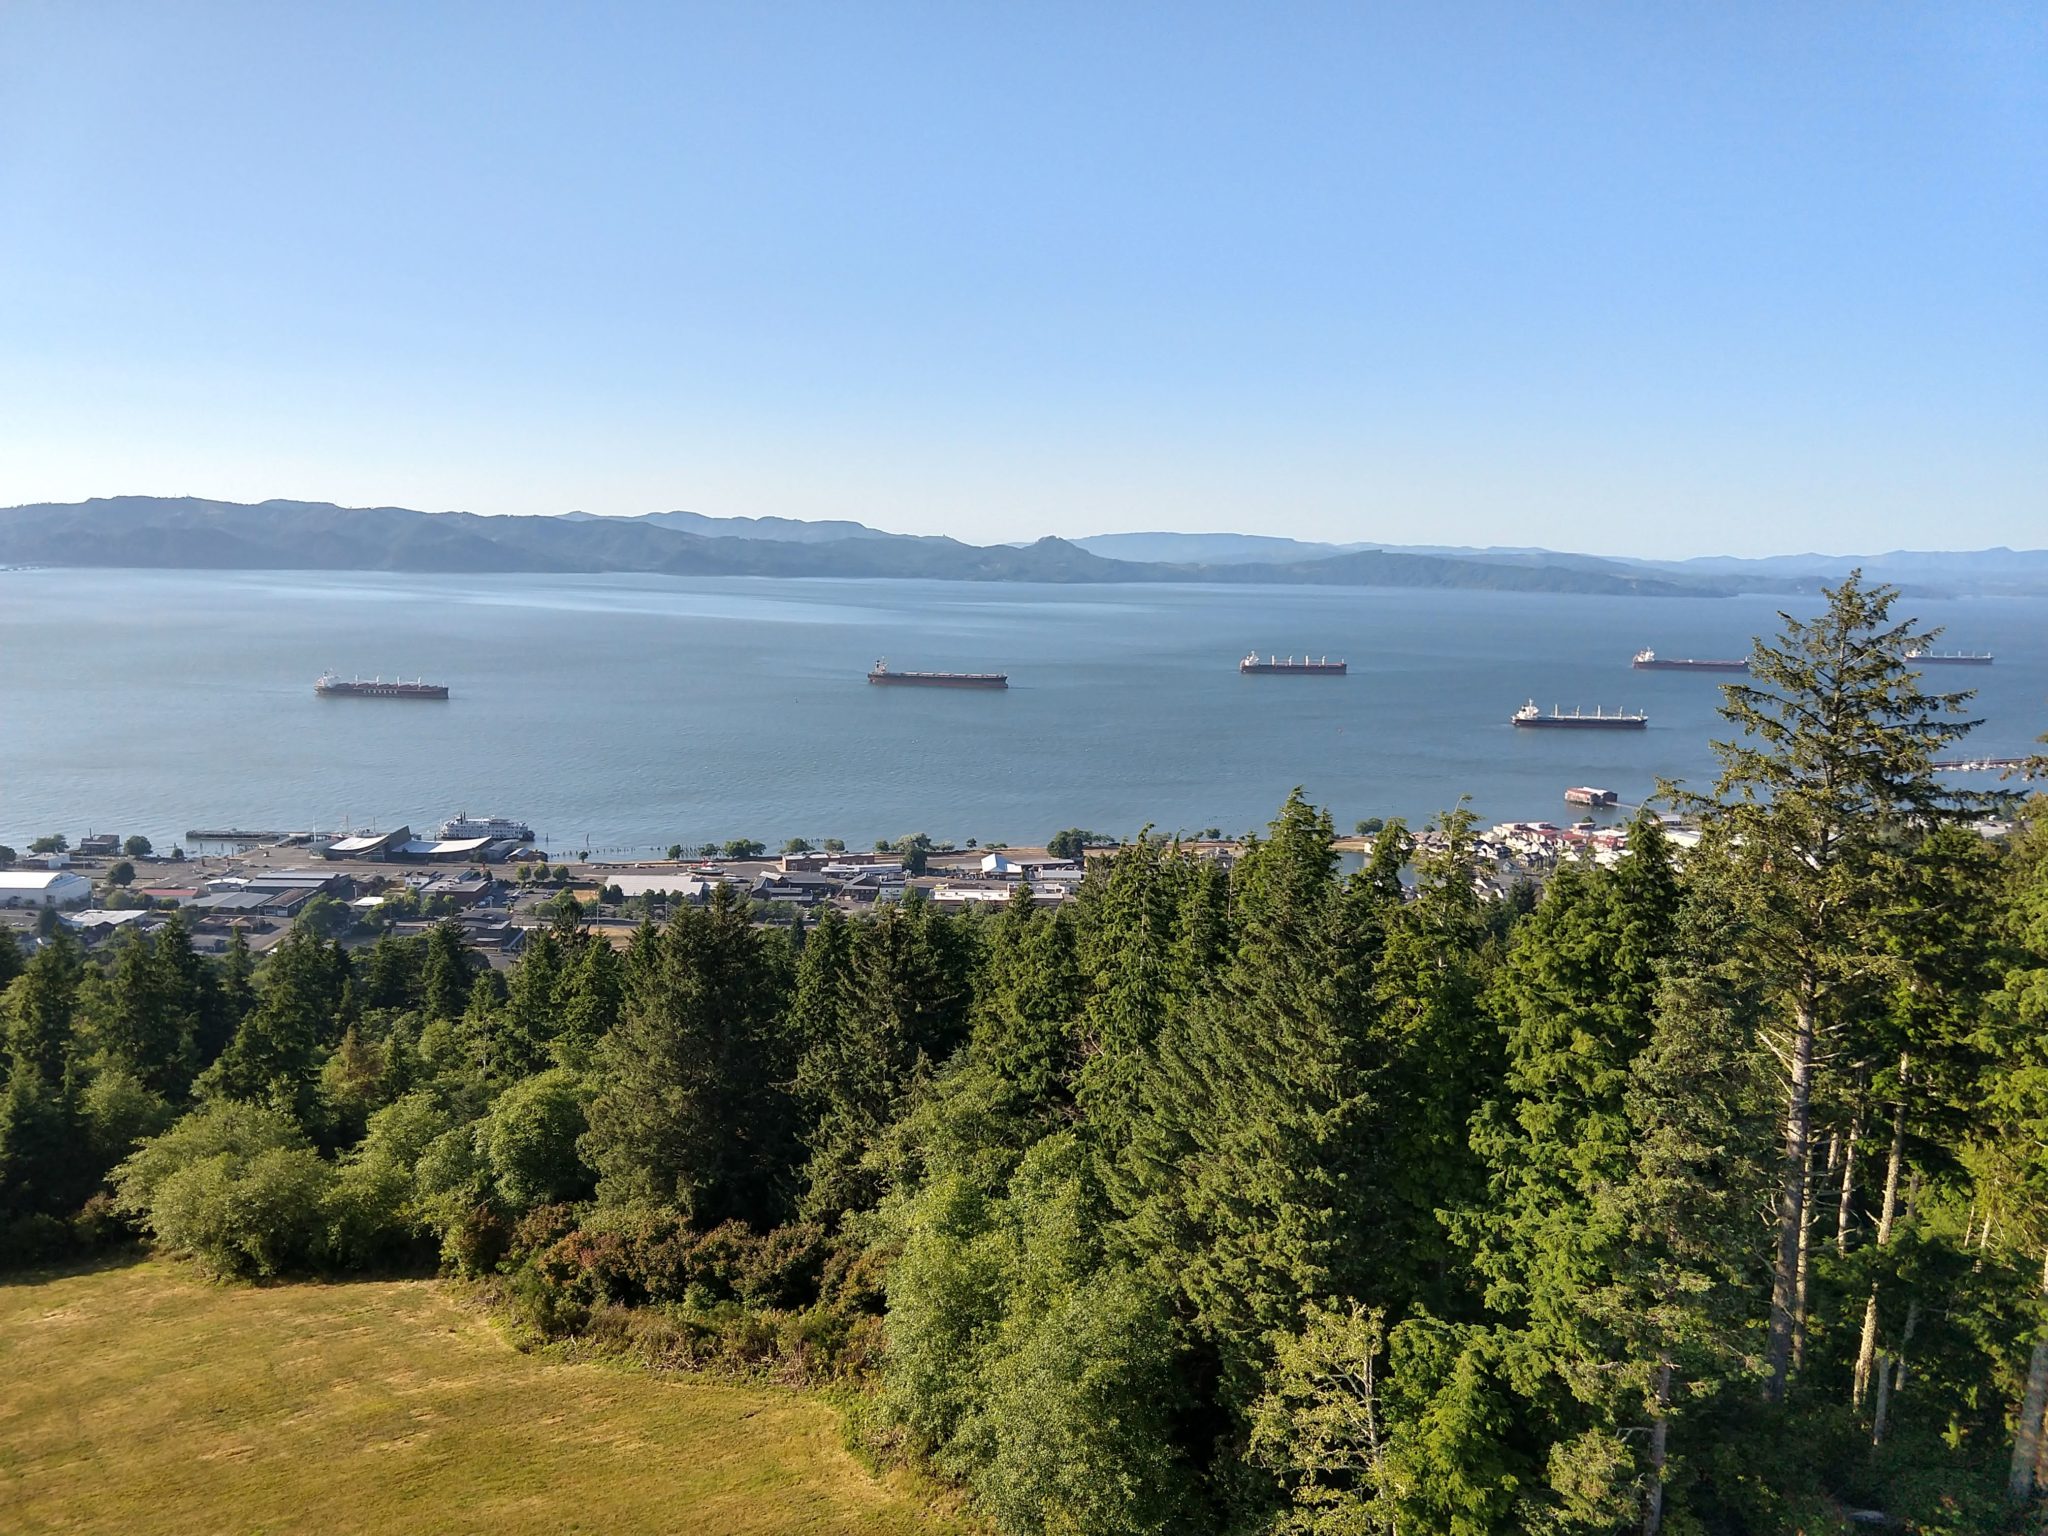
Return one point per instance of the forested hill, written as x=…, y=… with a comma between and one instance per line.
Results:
x=195, y=534
x=1705, y=1194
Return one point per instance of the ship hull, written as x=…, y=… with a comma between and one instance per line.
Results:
x=939, y=680
x=1282, y=669
x=1683, y=665
x=1581, y=723
x=385, y=691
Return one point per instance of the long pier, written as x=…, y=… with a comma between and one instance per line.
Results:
x=232, y=835
x=1983, y=764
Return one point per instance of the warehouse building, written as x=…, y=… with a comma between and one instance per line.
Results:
x=42, y=888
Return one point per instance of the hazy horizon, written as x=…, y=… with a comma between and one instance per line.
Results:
x=1744, y=280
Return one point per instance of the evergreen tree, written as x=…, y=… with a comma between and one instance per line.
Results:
x=689, y=1111
x=445, y=973
x=275, y=1056
x=1830, y=770
x=1247, y=1183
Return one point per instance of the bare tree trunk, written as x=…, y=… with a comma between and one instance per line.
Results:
x=1800, y=1278
x=1845, y=1210
x=1866, y=1355
x=1660, y=1433
x=1891, y=1377
x=1866, y=1349
x=1791, y=1201
x=2026, y=1439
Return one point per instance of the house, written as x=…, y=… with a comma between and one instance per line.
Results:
x=99, y=845
x=803, y=888
x=42, y=888
x=95, y=925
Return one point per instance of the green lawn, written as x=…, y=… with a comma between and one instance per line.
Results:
x=143, y=1399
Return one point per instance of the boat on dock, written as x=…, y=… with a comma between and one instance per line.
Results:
x=885, y=675
x=1530, y=717
x=1320, y=666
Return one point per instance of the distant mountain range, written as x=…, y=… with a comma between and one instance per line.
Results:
x=197, y=534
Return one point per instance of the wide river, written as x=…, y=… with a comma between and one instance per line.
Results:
x=623, y=713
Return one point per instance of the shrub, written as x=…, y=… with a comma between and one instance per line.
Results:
x=236, y=1186
x=529, y=1140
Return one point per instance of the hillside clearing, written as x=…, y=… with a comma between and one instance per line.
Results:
x=142, y=1399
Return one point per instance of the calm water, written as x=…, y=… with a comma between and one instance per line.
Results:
x=623, y=713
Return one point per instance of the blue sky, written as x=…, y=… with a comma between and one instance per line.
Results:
x=1661, y=280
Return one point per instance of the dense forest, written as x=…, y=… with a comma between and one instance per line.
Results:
x=1705, y=1191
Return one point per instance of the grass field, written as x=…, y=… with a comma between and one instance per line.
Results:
x=142, y=1399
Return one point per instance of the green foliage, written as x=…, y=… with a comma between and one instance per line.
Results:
x=1702, y=1193
x=742, y=848
x=121, y=873
x=529, y=1141
x=235, y=1186
x=1070, y=842
x=137, y=848
x=687, y=1108
x=52, y=842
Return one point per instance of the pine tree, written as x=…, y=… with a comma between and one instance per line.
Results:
x=1246, y=1179
x=275, y=1056
x=446, y=972
x=879, y=1007
x=690, y=1111
x=1830, y=771
x=1443, y=1055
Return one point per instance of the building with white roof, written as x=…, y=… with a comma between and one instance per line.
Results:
x=42, y=888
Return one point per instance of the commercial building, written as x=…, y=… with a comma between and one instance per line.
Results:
x=42, y=888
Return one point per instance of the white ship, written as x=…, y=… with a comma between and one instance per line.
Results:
x=463, y=825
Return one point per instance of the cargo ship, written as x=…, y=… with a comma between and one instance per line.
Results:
x=1322, y=667
x=883, y=673
x=1649, y=661
x=331, y=686
x=1950, y=658
x=1531, y=717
